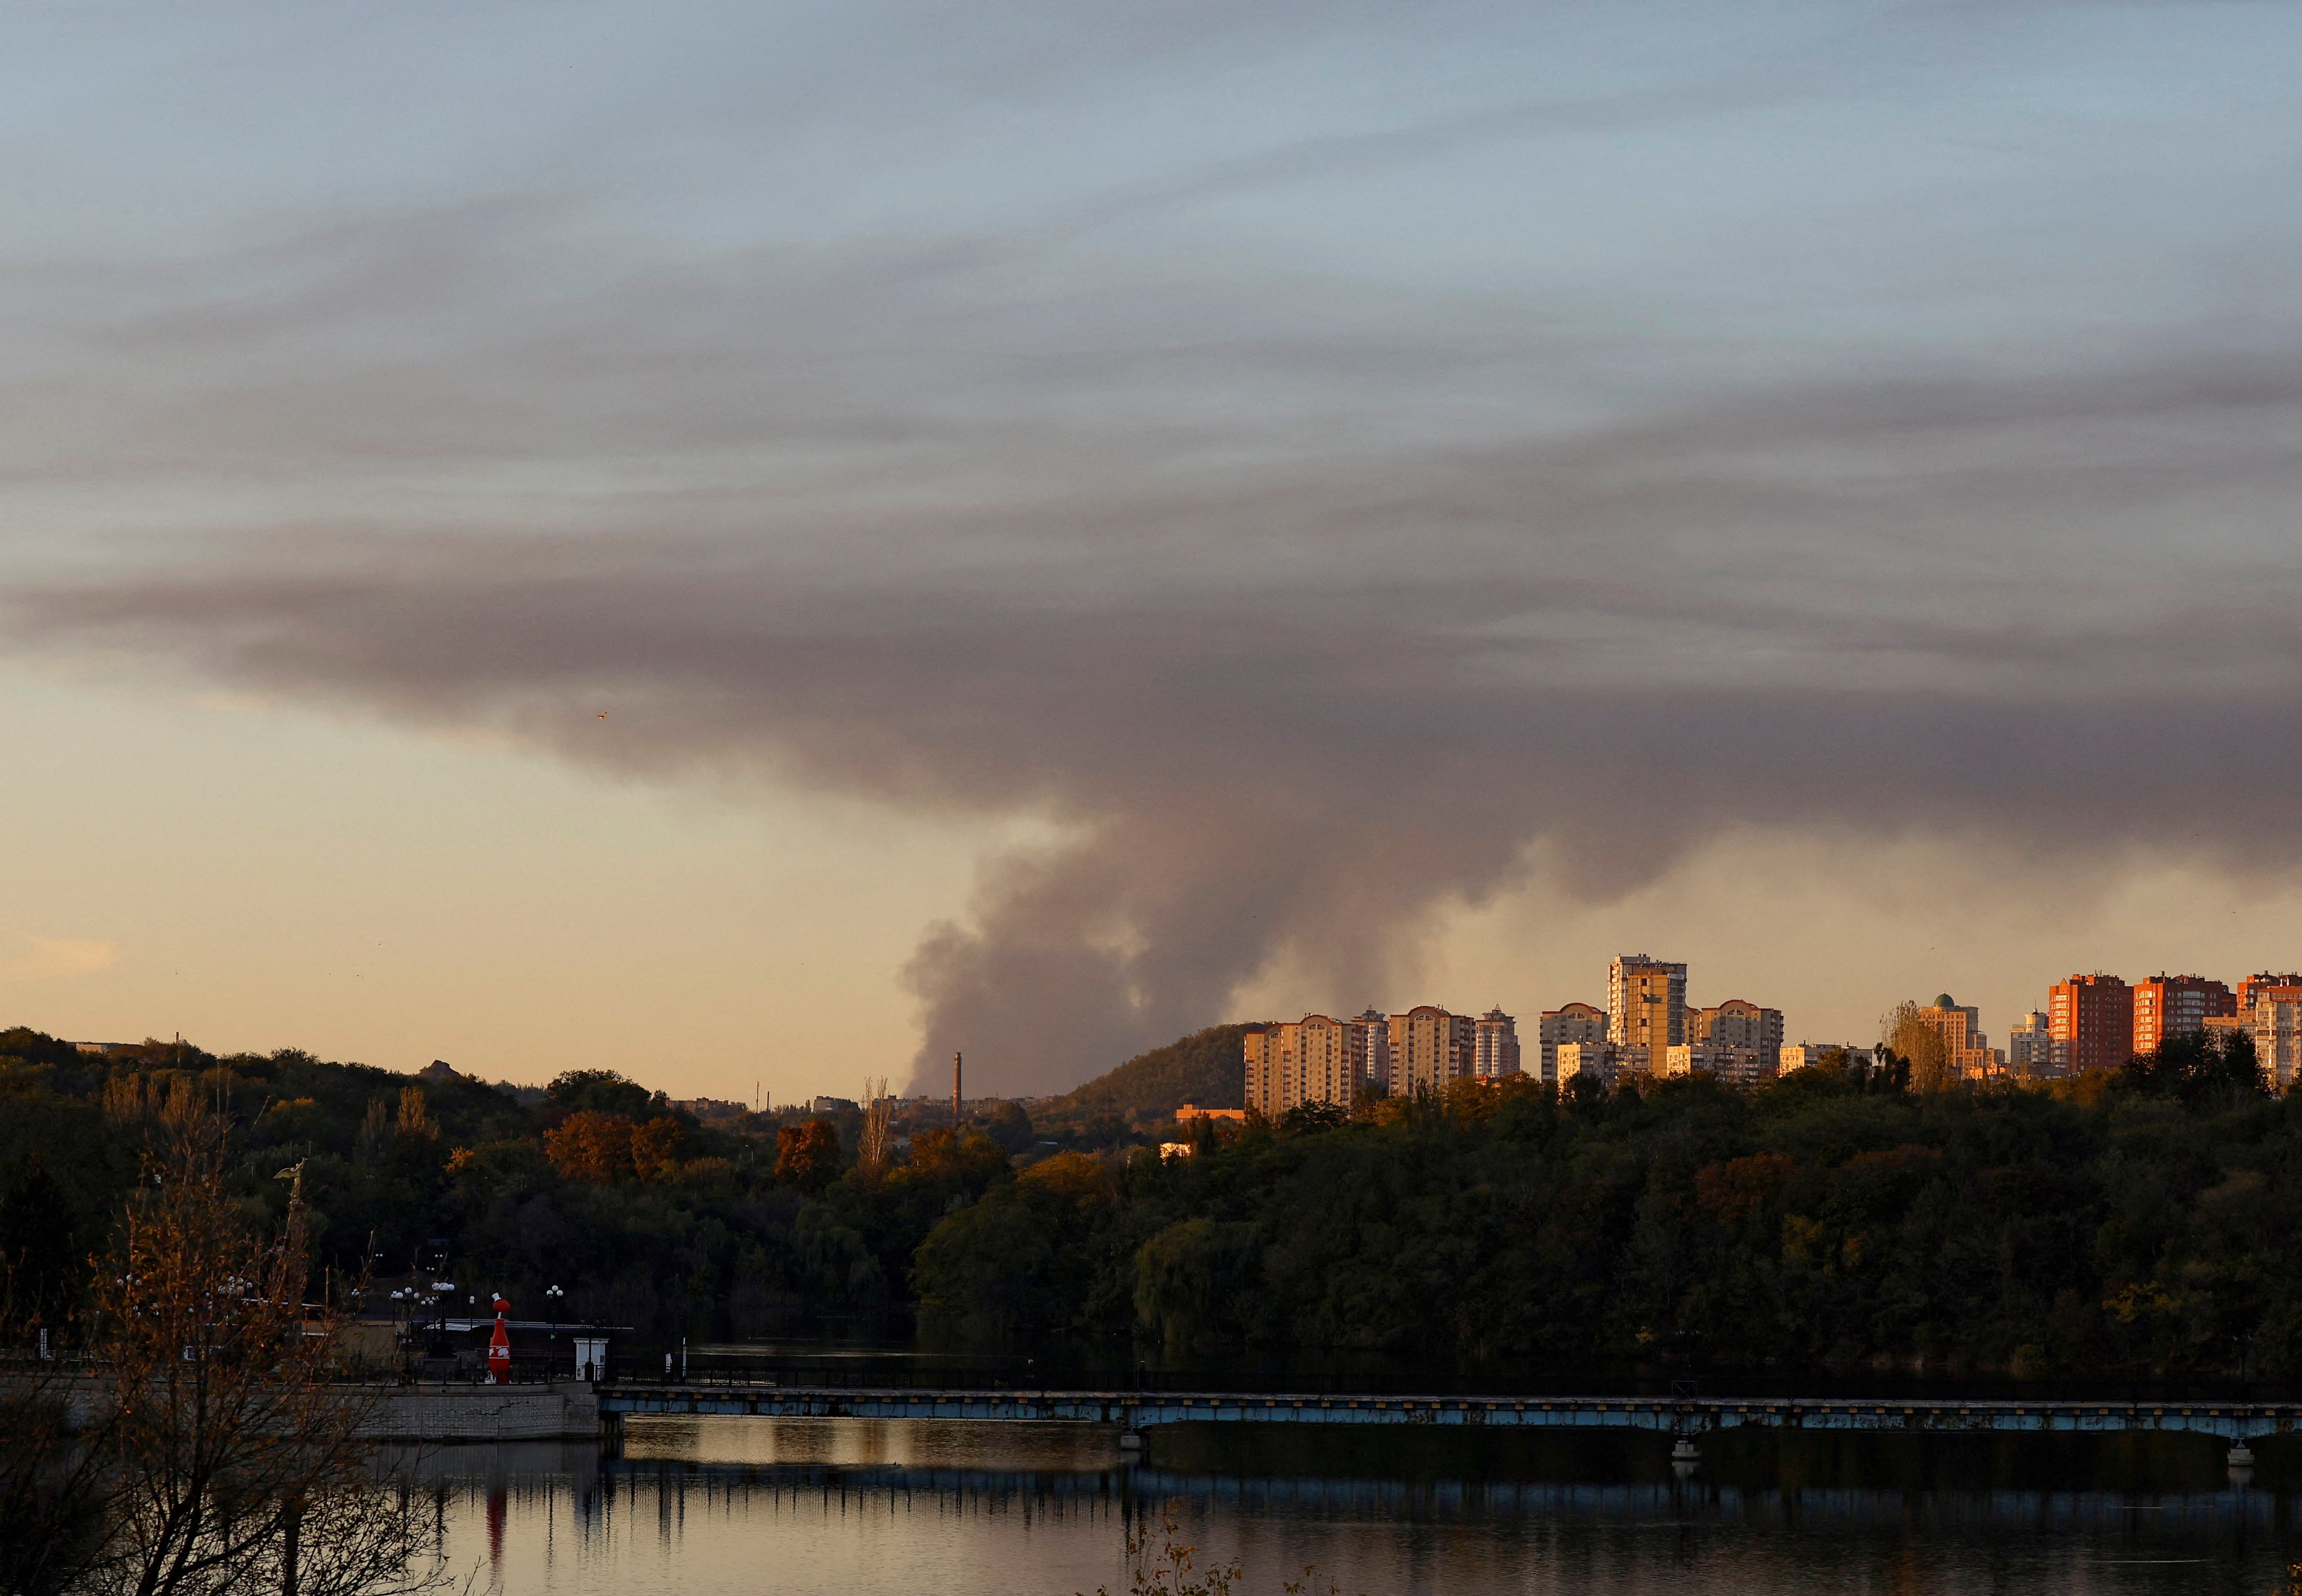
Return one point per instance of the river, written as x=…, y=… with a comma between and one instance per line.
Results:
x=716, y=1507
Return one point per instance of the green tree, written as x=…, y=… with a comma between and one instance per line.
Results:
x=603, y=1091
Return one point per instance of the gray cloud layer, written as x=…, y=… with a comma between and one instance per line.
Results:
x=1293, y=716
x=1306, y=586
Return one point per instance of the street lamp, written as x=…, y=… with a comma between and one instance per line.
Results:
x=552, y=1298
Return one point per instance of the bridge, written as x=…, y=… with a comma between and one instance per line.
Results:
x=1685, y=1416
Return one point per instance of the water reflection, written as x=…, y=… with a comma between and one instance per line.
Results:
x=703, y=1507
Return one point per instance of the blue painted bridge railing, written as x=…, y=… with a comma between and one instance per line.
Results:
x=1676, y=1416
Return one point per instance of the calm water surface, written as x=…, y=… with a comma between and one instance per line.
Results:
x=702, y=1508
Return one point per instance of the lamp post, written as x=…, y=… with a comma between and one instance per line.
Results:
x=552, y=1297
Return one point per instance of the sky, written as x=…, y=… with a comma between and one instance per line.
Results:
x=762, y=545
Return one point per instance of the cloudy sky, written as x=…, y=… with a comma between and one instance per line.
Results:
x=769, y=543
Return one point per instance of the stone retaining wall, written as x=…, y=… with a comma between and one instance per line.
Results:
x=449, y=1413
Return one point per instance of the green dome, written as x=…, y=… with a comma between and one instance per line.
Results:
x=1943, y=1000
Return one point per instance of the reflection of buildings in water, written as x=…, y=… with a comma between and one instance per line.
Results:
x=571, y=1520
x=677, y=1487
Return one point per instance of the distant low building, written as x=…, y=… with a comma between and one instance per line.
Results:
x=1809, y=1055
x=830, y=1104
x=2030, y=1047
x=1742, y=1066
x=1603, y=1061
x=1189, y=1112
x=712, y=1108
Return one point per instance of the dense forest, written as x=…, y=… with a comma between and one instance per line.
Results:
x=2134, y=1220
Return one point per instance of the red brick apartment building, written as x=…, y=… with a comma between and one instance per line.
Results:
x=2169, y=1005
x=2092, y=1018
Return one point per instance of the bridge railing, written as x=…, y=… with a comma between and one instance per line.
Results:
x=879, y=1372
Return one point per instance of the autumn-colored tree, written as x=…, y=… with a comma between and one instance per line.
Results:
x=591, y=1145
x=1911, y=1038
x=959, y=1155
x=656, y=1146
x=807, y=1156
x=877, y=1139
x=225, y=1458
x=415, y=1115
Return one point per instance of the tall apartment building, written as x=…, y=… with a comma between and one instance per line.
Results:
x=1316, y=1059
x=2171, y=1006
x=1431, y=1047
x=1572, y=1023
x=2030, y=1045
x=1970, y=1054
x=1646, y=1003
x=2272, y=1022
x=1735, y=1023
x=1375, y=1025
x=1495, y=1050
x=2278, y=1033
x=2092, y=1018
x=2253, y=986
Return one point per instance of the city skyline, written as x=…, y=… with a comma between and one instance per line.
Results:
x=2058, y=1021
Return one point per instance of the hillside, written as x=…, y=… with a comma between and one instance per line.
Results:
x=1207, y=1068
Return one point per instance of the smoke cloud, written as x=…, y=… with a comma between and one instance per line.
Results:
x=1293, y=719
x=1311, y=519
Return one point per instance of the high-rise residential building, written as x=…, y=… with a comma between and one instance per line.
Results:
x=2030, y=1045
x=1572, y=1022
x=1313, y=1060
x=2171, y=1006
x=1735, y=1023
x=1969, y=1052
x=2278, y=1033
x=2253, y=986
x=1430, y=1048
x=2273, y=1023
x=1646, y=1003
x=2274, y=1026
x=2092, y=1018
x=1495, y=1046
x=1375, y=1025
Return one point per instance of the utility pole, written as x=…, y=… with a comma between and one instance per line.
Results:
x=955, y=1091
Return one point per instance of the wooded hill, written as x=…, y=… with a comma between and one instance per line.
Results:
x=1207, y=1068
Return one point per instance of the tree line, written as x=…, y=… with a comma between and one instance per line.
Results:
x=2133, y=1220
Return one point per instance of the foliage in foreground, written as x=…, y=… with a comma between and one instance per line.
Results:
x=197, y=1442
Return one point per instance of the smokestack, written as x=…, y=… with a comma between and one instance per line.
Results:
x=954, y=1090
